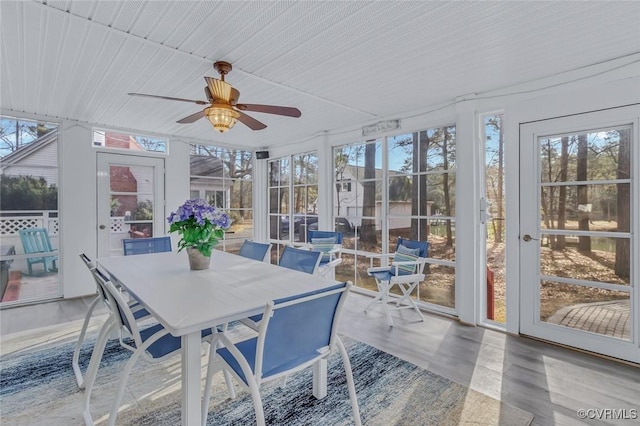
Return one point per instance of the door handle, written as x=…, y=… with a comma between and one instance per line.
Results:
x=528, y=238
x=102, y=227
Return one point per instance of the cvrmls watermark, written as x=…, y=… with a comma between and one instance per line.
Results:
x=608, y=413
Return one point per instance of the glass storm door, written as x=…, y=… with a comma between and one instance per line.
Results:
x=130, y=200
x=579, y=245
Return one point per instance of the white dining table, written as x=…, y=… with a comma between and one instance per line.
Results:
x=186, y=302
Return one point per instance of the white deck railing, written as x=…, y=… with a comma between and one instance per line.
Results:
x=14, y=220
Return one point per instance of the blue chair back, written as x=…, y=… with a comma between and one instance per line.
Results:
x=299, y=327
x=423, y=246
x=146, y=245
x=300, y=260
x=253, y=250
x=325, y=234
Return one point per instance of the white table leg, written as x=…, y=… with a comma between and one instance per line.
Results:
x=191, y=347
x=320, y=379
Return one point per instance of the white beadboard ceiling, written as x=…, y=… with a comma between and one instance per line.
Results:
x=344, y=64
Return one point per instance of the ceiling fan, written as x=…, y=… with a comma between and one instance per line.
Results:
x=223, y=109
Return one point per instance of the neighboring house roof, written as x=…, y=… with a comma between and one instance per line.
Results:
x=30, y=148
x=206, y=166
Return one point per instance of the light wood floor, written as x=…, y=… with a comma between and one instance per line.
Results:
x=549, y=381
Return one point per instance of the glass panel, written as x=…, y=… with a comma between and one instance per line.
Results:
x=495, y=217
x=300, y=205
x=346, y=270
x=107, y=139
x=592, y=155
x=343, y=225
x=586, y=207
x=242, y=225
x=215, y=198
x=401, y=188
x=285, y=172
x=241, y=194
x=278, y=200
x=29, y=199
x=122, y=179
x=369, y=195
x=274, y=172
x=441, y=194
x=360, y=161
x=604, y=260
x=438, y=149
x=441, y=237
x=439, y=285
x=224, y=179
x=306, y=168
x=209, y=166
x=401, y=153
x=586, y=308
x=279, y=227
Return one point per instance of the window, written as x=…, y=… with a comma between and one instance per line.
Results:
x=293, y=178
x=412, y=197
x=107, y=139
x=28, y=200
x=224, y=177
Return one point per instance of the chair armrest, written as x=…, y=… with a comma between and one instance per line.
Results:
x=332, y=264
x=378, y=269
x=378, y=255
x=408, y=278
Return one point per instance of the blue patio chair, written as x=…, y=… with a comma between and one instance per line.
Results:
x=146, y=245
x=329, y=243
x=154, y=344
x=36, y=240
x=256, y=251
x=300, y=260
x=138, y=312
x=297, y=332
x=406, y=271
x=292, y=258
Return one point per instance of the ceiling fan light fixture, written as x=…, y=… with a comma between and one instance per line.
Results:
x=222, y=116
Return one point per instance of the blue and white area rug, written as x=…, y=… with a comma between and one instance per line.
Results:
x=37, y=387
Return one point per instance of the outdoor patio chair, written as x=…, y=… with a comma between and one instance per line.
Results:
x=133, y=246
x=138, y=311
x=256, y=251
x=292, y=258
x=406, y=271
x=154, y=344
x=300, y=259
x=297, y=332
x=36, y=240
x=329, y=243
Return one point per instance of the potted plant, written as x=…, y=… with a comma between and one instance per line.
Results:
x=201, y=226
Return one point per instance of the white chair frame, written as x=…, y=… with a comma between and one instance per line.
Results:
x=407, y=284
x=112, y=324
x=135, y=307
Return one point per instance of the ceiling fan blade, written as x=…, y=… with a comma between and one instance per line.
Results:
x=219, y=89
x=270, y=109
x=169, y=98
x=251, y=122
x=191, y=118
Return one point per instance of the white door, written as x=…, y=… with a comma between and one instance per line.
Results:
x=579, y=243
x=130, y=200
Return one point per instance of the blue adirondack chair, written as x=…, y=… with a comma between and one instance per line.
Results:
x=36, y=240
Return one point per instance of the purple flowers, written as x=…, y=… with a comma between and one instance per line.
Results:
x=200, y=224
